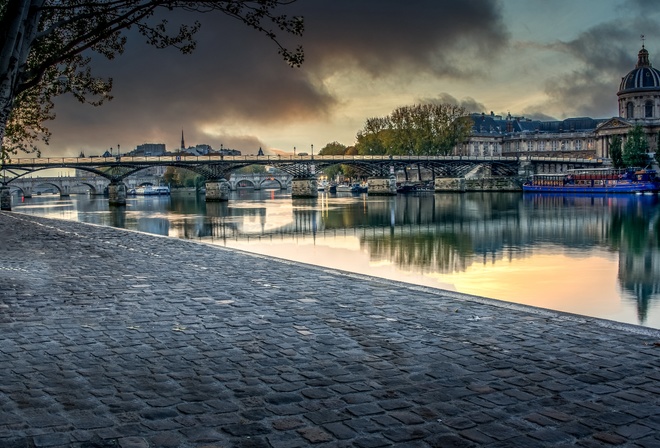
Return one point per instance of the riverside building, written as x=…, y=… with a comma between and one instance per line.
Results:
x=583, y=137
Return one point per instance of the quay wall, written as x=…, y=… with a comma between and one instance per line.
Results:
x=461, y=184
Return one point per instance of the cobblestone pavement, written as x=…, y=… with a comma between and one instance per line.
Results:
x=112, y=338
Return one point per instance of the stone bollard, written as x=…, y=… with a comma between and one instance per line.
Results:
x=5, y=198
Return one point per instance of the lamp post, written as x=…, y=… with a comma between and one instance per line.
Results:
x=312, y=150
x=294, y=151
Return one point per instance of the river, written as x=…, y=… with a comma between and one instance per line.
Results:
x=590, y=255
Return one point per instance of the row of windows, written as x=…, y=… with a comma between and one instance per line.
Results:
x=552, y=145
x=648, y=109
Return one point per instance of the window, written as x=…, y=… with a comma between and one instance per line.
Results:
x=578, y=145
x=648, y=109
x=630, y=110
x=554, y=145
x=542, y=145
x=530, y=146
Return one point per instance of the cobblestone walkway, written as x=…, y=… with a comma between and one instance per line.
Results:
x=111, y=338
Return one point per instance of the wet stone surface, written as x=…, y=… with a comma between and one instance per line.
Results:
x=112, y=338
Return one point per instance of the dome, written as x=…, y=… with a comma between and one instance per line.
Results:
x=643, y=77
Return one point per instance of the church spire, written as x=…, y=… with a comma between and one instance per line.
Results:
x=183, y=144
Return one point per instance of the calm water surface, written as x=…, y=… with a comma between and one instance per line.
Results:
x=591, y=255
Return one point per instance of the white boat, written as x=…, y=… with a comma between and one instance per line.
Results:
x=344, y=188
x=149, y=190
x=354, y=188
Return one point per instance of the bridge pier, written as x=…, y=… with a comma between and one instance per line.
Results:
x=5, y=198
x=381, y=186
x=217, y=191
x=304, y=188
x=447, y=184
x=65, y=192
x=525, y=168
x=117, y=193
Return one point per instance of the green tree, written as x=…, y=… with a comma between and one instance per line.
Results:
x=181, y=177
x=251, y=169
x=333, y=149
x=45, y=47
x=421, y=129
x=636, y=148
x=374, y=139
x=616, y=153
x=171, y=176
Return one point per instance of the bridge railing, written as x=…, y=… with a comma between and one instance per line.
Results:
x=175, y=158
x=63, y=161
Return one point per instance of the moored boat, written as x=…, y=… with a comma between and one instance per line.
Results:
x=149, y=190
x=354, y=188
x=407, y=187
x=595, y=181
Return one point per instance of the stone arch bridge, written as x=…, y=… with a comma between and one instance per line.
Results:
x=66, y=185
x=96, y=185
x=257, y=180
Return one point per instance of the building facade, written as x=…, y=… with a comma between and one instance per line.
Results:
x=582, y=137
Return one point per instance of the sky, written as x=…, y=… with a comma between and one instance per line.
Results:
x=545, y=59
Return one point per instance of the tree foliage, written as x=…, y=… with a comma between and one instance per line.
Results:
x=422, y=129
x=616, y=153
x=636, y=148
x=181, y=177
x=45, y=47
x=334, y=149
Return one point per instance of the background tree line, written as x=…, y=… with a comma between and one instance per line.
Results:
x=420, y=129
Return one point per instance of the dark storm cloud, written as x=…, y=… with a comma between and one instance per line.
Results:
x=437, y=36
x=235, y=77
x=644, y=6
x=605, y=53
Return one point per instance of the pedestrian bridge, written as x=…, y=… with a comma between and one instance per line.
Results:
x=303, y=169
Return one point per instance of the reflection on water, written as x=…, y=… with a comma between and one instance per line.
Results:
x=590, y=255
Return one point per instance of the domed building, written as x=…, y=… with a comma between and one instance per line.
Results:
x=581, y=137
x=639, y=92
